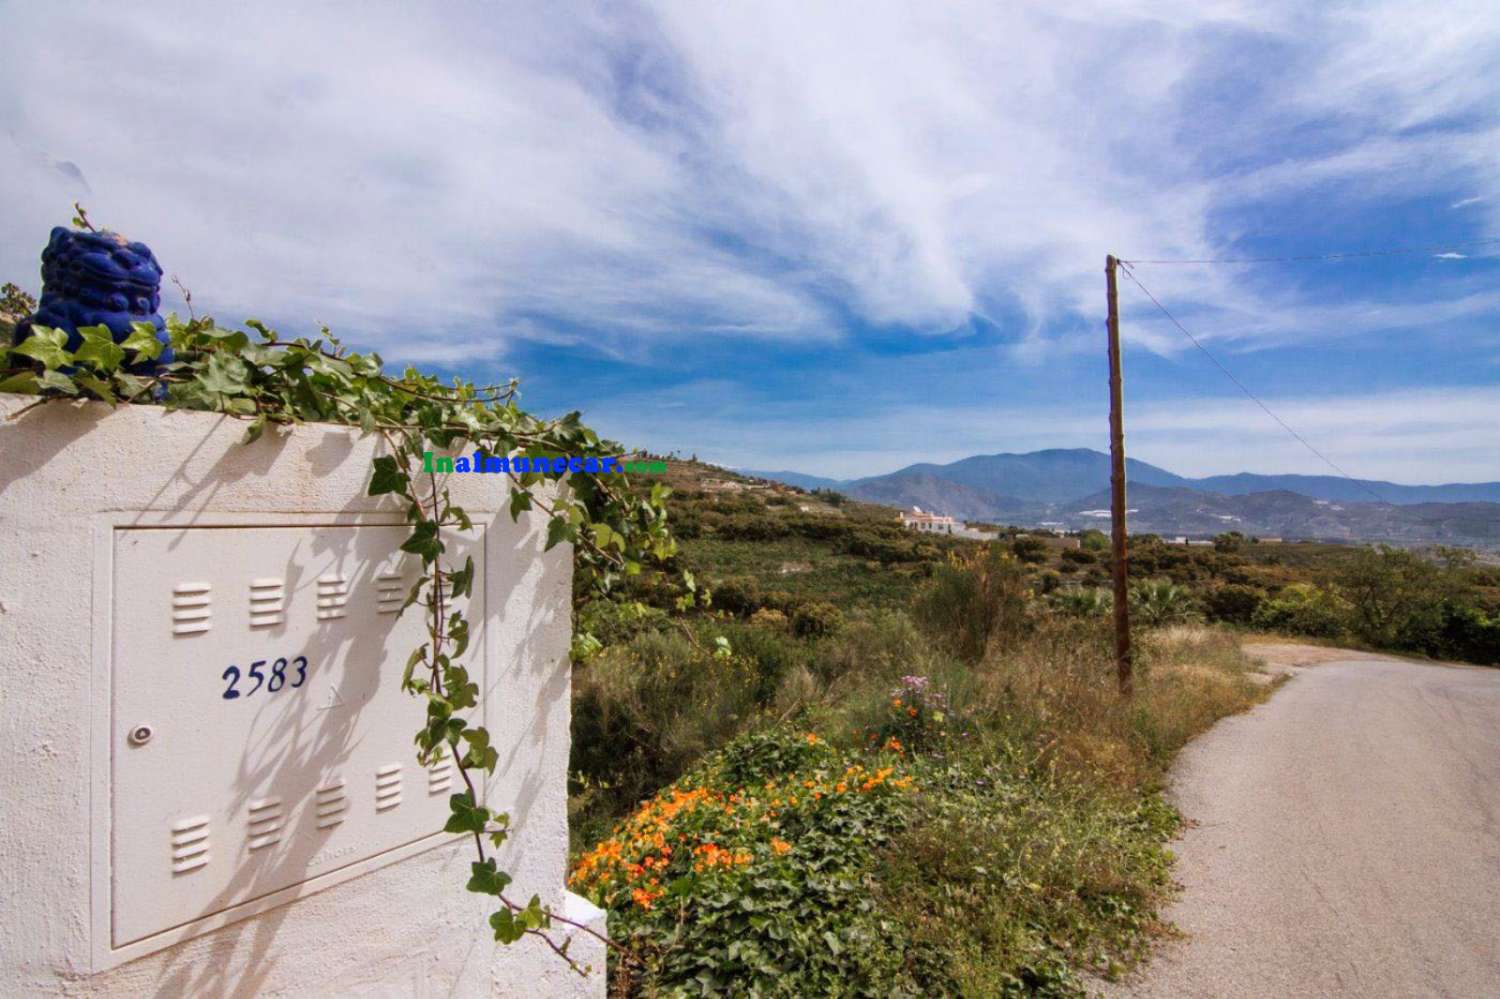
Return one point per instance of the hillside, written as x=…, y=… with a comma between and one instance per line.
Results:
x=1061, y=487
x=1282, y=513
x=1064, y=476
x=938, y=495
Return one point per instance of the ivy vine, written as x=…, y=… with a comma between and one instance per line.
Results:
x=265, y=380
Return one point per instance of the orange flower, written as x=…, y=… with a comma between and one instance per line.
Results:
x=781, y=846
x=912, y=712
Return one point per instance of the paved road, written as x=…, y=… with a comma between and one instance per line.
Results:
x=1347, y=840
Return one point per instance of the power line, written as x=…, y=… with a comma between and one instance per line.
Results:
x=1125, y=266
x=1345, y=255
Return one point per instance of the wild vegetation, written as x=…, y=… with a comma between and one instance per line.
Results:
x=878, y=762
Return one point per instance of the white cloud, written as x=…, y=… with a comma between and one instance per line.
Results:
x=443, y=180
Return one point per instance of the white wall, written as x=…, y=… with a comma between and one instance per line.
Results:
x=71, y=476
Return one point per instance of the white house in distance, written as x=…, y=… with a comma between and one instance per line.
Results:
x=931, y=523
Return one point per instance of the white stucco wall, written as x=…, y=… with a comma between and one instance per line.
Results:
x=70, y=477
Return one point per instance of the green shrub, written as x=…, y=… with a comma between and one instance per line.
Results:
x=1078, y=556
x=752, y=875
x=1005, y=880
x=1029, y=550
x=974, y=598
x=737, y=595
x=816, y=618
x=1083, y=601
x=1304, y=609
x=1233, y=603
x=1157, y=603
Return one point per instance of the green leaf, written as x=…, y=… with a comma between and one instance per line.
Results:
x=59, y=381
x=424, y=541
x=22, y=383
x=388, y=477
x=480, y=754
x=465, y=817
x=462, y=580
x=558, y=530
x=99, y=349
x=46, y=345
x=96, y=385
x=143, y=341
x=418, y=654
x=520, y=502
x=225, y=374
x=507, y=929
x=486, y=878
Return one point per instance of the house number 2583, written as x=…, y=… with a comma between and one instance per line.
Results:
x=272, y=679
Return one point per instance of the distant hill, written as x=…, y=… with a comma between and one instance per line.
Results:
x=1062, y=476
x=937, y=495
x=798, y=479
x=1058, y=485
x=1282, y=513
x=1052, y=476
x=1333, y=487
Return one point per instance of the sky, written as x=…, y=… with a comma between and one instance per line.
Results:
x=837, y=238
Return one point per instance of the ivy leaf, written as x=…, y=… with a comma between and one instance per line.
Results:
x=254, y=430
x=21, y=383
x=462, y=692
x=558, y=530
x=225, y=374
x=143, y=341
x=463, y=580
x=418, y=654
x=465, y=817
x=59, y=381
x=131, y=386
x=520, y=502
x=424, y=541
x=388, y=477
x=96, y=385
x=481, y=754
x=507, y=929
x=99, y=349
x=486, y=878
x=46, y=345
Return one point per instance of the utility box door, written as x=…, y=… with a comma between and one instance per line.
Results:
x=259, y=736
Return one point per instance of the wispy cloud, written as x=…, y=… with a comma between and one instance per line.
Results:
x=643, y=182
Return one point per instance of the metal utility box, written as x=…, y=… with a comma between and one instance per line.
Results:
x=260, y=745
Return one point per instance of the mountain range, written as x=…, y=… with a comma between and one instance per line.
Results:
x=1070, y=487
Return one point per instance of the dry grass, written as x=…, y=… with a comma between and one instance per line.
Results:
x=1060, y=684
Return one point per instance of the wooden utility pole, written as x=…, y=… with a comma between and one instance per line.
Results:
x=1117, y=486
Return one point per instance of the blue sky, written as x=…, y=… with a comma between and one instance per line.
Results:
x=834, y=237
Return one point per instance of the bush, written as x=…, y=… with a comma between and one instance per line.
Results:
x=1229, y=543
x=645, y=710
x=1304, y=609
x=1232, y=603
x=816, y=618
x=1083, y=602
x=973, y=599
x=737, y=595
x=1078, y=556
x=1093, y=540
x=1029, y=550
x=1157, y=603
x=752, y=875
x=1397, y=598
x=769, y=618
